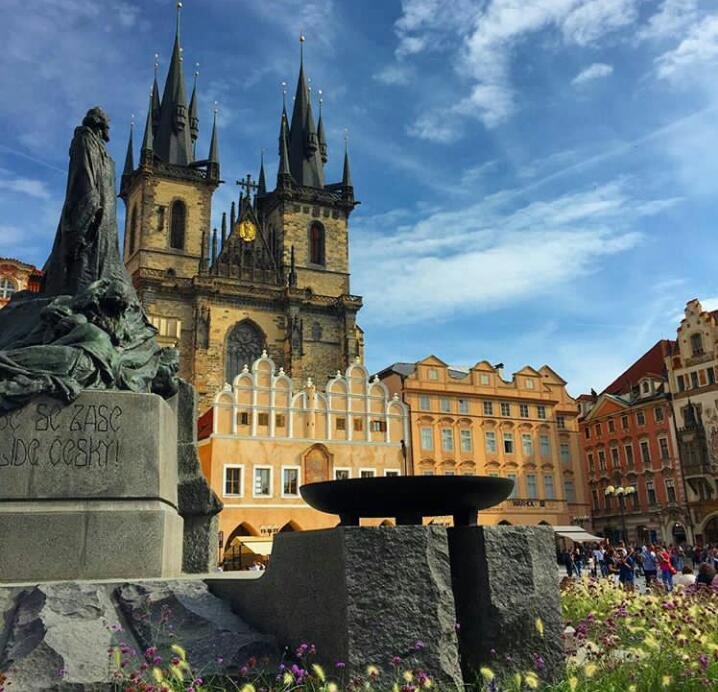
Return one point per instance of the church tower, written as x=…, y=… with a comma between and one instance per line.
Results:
x=273, y=277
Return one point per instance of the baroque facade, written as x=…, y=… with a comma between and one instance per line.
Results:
x=264, y=437
x=472, y=421
x=17, y=276
x=274, y=276
x=693, y=376
x=628, y=440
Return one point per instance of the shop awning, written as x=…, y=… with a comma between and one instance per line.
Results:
x=576, y=534
x=259, y=545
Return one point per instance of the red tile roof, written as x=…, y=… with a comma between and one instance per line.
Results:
x=650, y=363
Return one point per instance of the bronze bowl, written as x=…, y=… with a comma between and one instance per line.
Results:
x=408, y=498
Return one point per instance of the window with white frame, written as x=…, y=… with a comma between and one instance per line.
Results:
x=488, y=408
x=524, y=410
x=505, y=408
x=424, y=402
x=463, y=406
x=659, y=414
x=262, y=481
x=233, y=474
x=527, y=444
x=447, y=439
x=7, y=287
x=290, y=481
x=508, y=443
x=541, y=412
x=427, y=438
x=628, y=451
x=484, y=379
x=640, y=418
x=529, y=383
x=670, y=491
x=433, y=374
x=445, y=404
x=490, y=438
x=565, y=452
x=367, y=473
x=645, y=452
x=545, y=445
x=342, y=474
x=466, y=444
x=561, y=422
x=548, y=491
x=569, y=491
x=531, y=489
x=515, y=490
x=663, y=447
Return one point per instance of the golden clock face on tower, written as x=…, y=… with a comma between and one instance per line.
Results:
x=247, y=230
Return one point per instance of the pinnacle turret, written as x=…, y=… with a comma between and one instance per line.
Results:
x=130, y=155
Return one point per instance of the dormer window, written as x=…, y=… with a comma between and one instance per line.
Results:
x=696, y=345
x=646, y=387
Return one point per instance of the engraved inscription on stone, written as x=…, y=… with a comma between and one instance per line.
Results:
x=48, y=435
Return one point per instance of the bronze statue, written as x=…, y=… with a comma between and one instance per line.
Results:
x=86, y=244
x=87, y=329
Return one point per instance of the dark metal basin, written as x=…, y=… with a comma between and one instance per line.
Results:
x=408, y=498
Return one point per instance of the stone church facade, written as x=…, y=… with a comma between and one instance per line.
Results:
x=274, y=276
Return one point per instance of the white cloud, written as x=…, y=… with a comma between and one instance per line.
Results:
x=26, y=186
x=396, y=74
x=672, y=18
x=480, y=257
x=486, y=36
x=595, y=71
x=697, y=49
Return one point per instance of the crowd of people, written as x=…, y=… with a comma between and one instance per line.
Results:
x=662, y=566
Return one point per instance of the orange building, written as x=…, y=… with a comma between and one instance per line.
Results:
x=472, y=421
x=17, y=276
x=263, y=439
x=628, y=441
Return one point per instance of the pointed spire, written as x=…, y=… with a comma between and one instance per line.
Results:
x=130, y=156
x=232, y=217
x=224, y=229
x=321, y=137
x=214, y=247
x=204, y=258
x=149, y=138
x=284, y=177
x=347, y=176
x=173, y=142
x=213, y=158
x=193, y=115
x=262, y=181
x=155, y=98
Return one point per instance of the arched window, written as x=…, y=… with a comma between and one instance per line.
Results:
x=316, y=243
x=133, y=229
x=245, y=343
x=7, y=288
x=178, y=222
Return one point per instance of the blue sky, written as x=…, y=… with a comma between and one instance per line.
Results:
x=538, y=177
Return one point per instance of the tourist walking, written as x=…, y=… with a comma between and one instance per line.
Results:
x=626, y=565
x=650, y=566
x=667, y=569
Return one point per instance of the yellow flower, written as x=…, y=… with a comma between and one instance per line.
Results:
x=332, y=687
x=179, y=651
x=177, y=673
x=632, y=688
x=572, y=683
x=408, y=676
x=117, y=656
x=517, y=679
x=248, y=688
x=650, y=642
x=372, y=671
x=319, y=671
x=666, y=681
x=486, y=673
x=539, y=626
x=158, y=675
x=428, y=683
x=287, y=679
x=395, y=687
x=590, y=670
x=531, y=680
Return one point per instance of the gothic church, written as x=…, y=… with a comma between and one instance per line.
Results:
x=276, y=275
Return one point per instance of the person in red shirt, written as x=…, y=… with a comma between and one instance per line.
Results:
x=666, y=568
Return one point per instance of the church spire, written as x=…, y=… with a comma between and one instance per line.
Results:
x=193, y=115
x=261, y=182
x=304, y=160
x=213, y=158
x=155, y=98
x=284, y=176
x=173, y=139
x=130, y=155
x=147, y=151
x=320, y=131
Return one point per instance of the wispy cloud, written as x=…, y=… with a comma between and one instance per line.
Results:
x=24, y=186
x=483, y=256
x=595, y=71
x=395, y=74
x=671, y=19
x=698, y=49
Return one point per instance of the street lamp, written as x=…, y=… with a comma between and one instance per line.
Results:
x=621, y=492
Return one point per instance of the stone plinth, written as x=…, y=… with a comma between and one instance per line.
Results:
x=360, y=594
x=504, y=578
x=89, y=490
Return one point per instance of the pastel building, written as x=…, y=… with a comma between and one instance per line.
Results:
x=263, y=438
x=17, y=276
x=467, y=421
x=692, y=367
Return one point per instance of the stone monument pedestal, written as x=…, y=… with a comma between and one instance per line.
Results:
x=89, y=490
